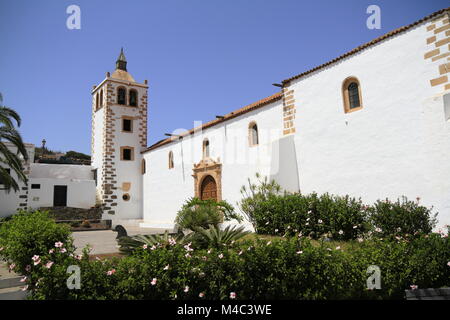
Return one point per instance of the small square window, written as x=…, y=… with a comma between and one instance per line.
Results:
x=127, y=153
x=127, y=125
x=35, y=186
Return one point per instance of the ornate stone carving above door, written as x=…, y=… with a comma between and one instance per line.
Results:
x=207, y=167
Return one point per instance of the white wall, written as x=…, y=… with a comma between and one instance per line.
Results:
x=398, y=144
x=80, y=193
x=166, y=190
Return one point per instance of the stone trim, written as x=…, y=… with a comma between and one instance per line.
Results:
x=438, y=48
x=289, y=111
x=345, y=96
x=207, y=167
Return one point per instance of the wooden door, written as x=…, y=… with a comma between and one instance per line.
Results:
x=208, y=189
x=60, y=196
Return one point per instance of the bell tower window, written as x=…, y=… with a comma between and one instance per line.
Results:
x=121, y=93
x=133, y=98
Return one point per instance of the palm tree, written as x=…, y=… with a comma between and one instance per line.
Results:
x=9, y=158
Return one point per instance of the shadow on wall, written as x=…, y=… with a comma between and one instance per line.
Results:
x=284, y=168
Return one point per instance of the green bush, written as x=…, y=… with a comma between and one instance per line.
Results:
x=401, y=217
x=340, y=218
x=279, y=269
x=197, y=213
x=28, y=234
x=215, y=237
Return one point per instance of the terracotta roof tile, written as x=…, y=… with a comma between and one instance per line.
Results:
x=228, y=116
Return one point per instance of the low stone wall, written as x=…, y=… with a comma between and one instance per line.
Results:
x=68, y=213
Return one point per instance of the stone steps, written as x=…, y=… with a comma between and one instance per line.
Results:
x=11, y=289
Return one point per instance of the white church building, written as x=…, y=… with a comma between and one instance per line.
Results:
x=372, y=123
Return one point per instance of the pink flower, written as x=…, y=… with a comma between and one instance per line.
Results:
x=1, y=248
x=360, y=240
x=49, y=264
x=414, y=287
x=35, y=258
x=172, y=241
x=153, y=283
x=111, y=272
x=51, y=251
x=378, y=230
x=232, y=295
x=28, y=268
x=186, y=289
x=12, y=266
x=36, y=262
x=78, y=257
x=220, y=256
x=63, y=250
x=58, y=244
x=25, y=288
x=153, y=248
x=201, y=294
x=448, y=263
x=187, y=255
x=23, y=279
x=205, y=258
x=166, y=267
x=144, y=246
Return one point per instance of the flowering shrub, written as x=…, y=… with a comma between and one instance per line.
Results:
x=341, y=218
x=401, y=217
x=293, y=268
x=29, y=234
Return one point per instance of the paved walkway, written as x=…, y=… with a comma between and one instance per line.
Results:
x=104, y=241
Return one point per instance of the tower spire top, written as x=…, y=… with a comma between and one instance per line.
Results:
x=121, y=62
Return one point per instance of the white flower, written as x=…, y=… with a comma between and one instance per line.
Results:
x=153, y=248
x=209, y=251
x=267, y=223
x=153, y=283
x=58, y=244
x=448, y=263
x=338, y=248
x=1, y=248
x=166, y=267
x=23, y=279
x=201, y=294
x=378, y=230
x=49, y=264
x=220, y=256
x=269, y=243
x=414, y=287
x=276, y=230
x=341, y=232
x=25, y=288
x=232, y=295
x=299, y=252
x=354, y=227
x=240, y=252
x=145, y=246
x=186, y=289
x=307, y=219
x=319, y=221
x=187, y=255
x=307, y=224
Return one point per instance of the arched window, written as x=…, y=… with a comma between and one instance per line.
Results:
x=101, y=98
x=170, y=160
x=121, y=96
x=143, y=166
x=97, y=102
x=351, y=91
x=205, y=148
x=133, y=98
x=253, y=137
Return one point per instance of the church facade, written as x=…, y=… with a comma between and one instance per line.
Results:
x=373, y=123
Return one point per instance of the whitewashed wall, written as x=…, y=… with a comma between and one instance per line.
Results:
x=78, y=179
x=166, y=190
x=398, y=144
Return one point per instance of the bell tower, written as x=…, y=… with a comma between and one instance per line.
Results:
x=119, y=134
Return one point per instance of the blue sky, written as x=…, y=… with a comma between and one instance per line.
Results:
x=202, y=58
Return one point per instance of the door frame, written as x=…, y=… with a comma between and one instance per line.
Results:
x=207, y=167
